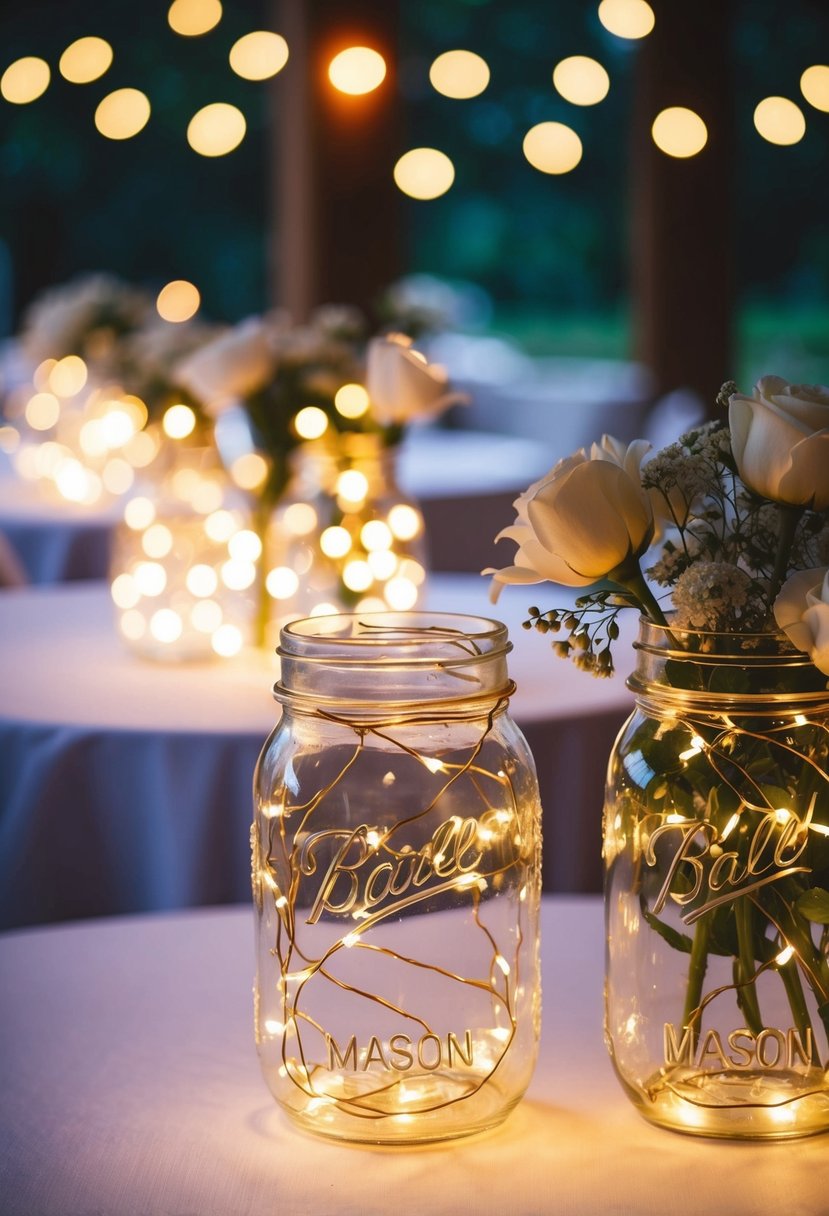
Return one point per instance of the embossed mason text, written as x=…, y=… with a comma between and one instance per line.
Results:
x=401, y=1053
x=771, y=1048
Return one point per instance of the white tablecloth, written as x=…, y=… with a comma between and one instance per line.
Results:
x=126, y=784
x=465, y=482
x=131, y=1088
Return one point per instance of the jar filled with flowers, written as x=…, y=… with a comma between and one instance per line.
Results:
x=716, y=819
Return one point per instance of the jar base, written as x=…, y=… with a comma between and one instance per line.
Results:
x=741, y=1105
x=435, y=1115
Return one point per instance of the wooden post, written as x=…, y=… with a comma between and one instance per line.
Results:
x=681, y=270
x=335, y=211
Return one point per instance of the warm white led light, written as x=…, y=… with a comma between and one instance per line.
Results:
x=376, y=535
x=311, y=422
x=352, y=486
x=68, y=376
x=357, y=70
x=335, y=541
x=201, y=580
x=166, y=625
x=139, y=513
x=157, y=541
x=352, y=401
x=245, y=546
x=227, y=641
x=179, y=421
x=300, y=518
x=404, y=521
x=282, y=583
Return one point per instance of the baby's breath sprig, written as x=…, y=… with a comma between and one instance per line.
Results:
x=591, y=627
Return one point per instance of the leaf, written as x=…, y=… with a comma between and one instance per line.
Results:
x=814, y=905
x=679, y=941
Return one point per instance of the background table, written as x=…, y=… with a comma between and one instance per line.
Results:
x=131, y=1088
x=125, y=785
x=465, y=482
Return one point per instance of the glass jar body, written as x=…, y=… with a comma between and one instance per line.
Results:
x=343, y=536
x=183, y=567
x=396, y=883
x=716, y=861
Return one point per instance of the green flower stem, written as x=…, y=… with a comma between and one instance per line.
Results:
x=629, y=577
x=747, y=995
x=789, y=519
x=794, y=991
x=696, y=974
x=261, y=515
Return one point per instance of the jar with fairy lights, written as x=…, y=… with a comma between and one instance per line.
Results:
x=343, y=536
x=716, y=847
x=396, y=880
x=184, y=562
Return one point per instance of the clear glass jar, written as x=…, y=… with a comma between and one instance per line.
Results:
x=184, y=560
x=717, y=870
x=343, y=536
x=396, y=880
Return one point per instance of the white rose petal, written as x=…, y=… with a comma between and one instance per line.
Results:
x=802, y=612
x=402, y=385
x=780, y=441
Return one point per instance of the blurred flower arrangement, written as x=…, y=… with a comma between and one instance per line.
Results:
x=97, y=366
x=717, y=811
x=308, y=418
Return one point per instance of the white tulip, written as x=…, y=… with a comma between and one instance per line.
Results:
x=236, y=364
x=780, y=441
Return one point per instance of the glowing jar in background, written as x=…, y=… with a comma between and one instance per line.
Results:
x=396, y=880
x=80, y=440
x=184, y=563
x=343, y=537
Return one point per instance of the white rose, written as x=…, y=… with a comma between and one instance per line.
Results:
x=582, y=521
x=402, y=384
x=780, y=440
x=236, y=364
x=802, y=612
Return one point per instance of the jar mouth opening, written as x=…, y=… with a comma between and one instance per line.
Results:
x=373, y=661
x=396, y=639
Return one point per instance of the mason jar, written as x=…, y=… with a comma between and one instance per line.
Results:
x=396, y=880
x=717, y=887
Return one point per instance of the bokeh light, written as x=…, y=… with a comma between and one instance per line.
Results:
x=190, y=18
x=179, y=421
x=85, y=60
x=351, y=401
x=259, y=55
x=68, y=376
x=216, y=129
x=459, y=74
x=627, y=18
x=679, y=132
x=552, y=147
x=178, y=301
x=424, y=173
x=25, y=80
x=814, y=85
x=581, y=80
x=42, y=411
x=122, y=114
x=357, y=70
x=779, y=121
x=311, y=422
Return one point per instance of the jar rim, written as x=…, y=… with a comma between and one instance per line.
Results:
x=404, y=659
x=404, y=638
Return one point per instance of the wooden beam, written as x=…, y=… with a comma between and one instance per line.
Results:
x=335, y=209
x=682, y=253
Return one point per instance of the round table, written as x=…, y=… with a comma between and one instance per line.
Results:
x=127, y=783
x=465, y=482
x=131, y=1087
